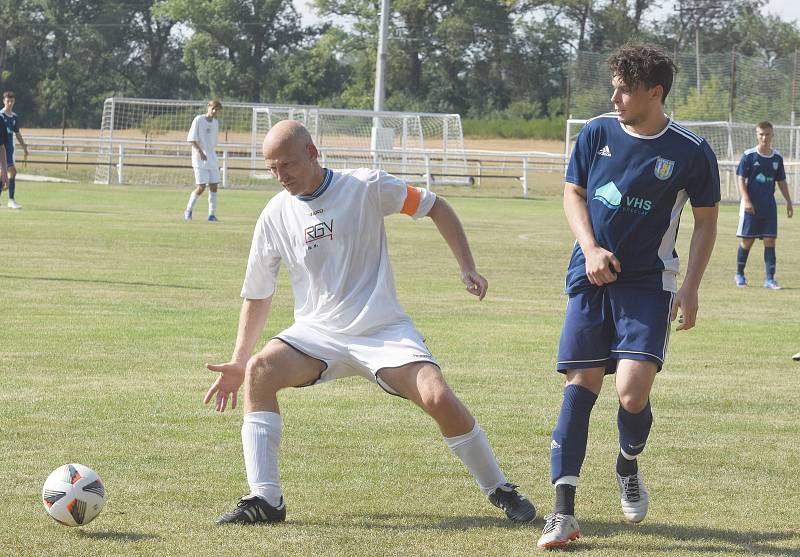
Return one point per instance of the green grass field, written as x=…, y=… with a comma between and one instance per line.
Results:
x=111, y=305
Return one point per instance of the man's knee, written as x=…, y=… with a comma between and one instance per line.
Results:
x=633, y=402
x=435, y=394
x=260, y=369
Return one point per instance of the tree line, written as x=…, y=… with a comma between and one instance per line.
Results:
x=488, y=59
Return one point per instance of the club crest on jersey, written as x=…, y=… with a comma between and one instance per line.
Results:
x=663, y=169
x=774, y=165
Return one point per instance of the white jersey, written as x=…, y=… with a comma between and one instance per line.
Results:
x=334, y=245
x=205, y=133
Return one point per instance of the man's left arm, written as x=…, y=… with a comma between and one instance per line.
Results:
x=3, y=167
x=449, y=225
x=784, y=187
x=702, y=244
x=22, y=142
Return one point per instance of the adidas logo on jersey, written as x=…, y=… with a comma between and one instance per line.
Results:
x=604, y=152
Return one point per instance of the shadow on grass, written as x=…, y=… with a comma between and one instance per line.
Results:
x=688, y=538
x=670, y=537
x=119, y=536
x=81, y=211
x=100, y=281
x=410, y=521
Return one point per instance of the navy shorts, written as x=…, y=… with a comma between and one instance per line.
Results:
x=608, y=323
x=764, y=224
x=9, y=155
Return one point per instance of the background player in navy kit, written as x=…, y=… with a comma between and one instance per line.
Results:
x=9, y=120
x=3, y=167
x=628, y=177
x=758, y=171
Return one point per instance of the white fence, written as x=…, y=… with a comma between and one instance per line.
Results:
x=153, y=159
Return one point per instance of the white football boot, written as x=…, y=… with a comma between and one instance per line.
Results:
x=559, y=529
x=633, y=497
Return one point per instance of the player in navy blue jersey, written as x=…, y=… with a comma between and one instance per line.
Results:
x=628, y=178
x=3, y=160
x=759, y=170
x=10, y=121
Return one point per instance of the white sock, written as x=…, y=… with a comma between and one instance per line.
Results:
x=212, y=202
x=474, y=451
x=192, y=200
x=261, y=437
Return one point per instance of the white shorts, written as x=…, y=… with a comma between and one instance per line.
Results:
x=395, y=345
x=206, y=175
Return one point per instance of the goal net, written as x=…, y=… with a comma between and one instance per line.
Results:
x=143, y=141
x=729, y=140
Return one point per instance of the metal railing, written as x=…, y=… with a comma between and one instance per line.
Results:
x=429, y=167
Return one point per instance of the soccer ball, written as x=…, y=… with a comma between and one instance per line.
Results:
x=73, y=494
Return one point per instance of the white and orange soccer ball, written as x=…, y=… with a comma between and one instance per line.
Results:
x=73, y=495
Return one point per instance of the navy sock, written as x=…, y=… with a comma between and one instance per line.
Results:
x=741, y=260
x=626, y=467
x=568, y=447
x=769, y=262
x=12, y=183
x=634, y=429
x=565, y=499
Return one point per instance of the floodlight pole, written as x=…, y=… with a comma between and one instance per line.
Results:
x=380, y=67
x=380, y=78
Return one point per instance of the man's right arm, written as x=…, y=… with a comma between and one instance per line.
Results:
x=598, y=260
x=200, y=151
x=748, y=204
x=252, y=318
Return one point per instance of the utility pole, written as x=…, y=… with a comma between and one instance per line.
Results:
x=380, y=66
x=379, y=140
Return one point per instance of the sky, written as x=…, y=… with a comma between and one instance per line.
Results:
x=788, y=10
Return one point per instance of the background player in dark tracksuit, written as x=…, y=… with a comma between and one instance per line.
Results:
x=629, y=176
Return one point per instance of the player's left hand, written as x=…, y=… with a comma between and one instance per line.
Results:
x=789, y=209
x=477, y=285
x=686, y=300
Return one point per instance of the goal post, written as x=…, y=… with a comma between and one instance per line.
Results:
x=143, y=141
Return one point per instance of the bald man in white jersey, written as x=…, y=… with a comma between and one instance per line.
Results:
x=327, y=226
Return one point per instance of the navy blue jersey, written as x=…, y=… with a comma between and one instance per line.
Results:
x=636, y=187
x=760, y=174
x=11, y=125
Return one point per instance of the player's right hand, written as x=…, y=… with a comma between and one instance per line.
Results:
x=203, y=156
x=748, y=207
x=231, y=377
x=602, y=266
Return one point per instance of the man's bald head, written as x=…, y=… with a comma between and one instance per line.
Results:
x=288, y=135
x=291, y=156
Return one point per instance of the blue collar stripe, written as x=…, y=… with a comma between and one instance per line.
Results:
x=321, y=189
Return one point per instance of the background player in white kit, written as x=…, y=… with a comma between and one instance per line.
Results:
x=328, y=228
x=203, y=136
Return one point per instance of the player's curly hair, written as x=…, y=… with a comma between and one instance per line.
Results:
x=643, y=63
